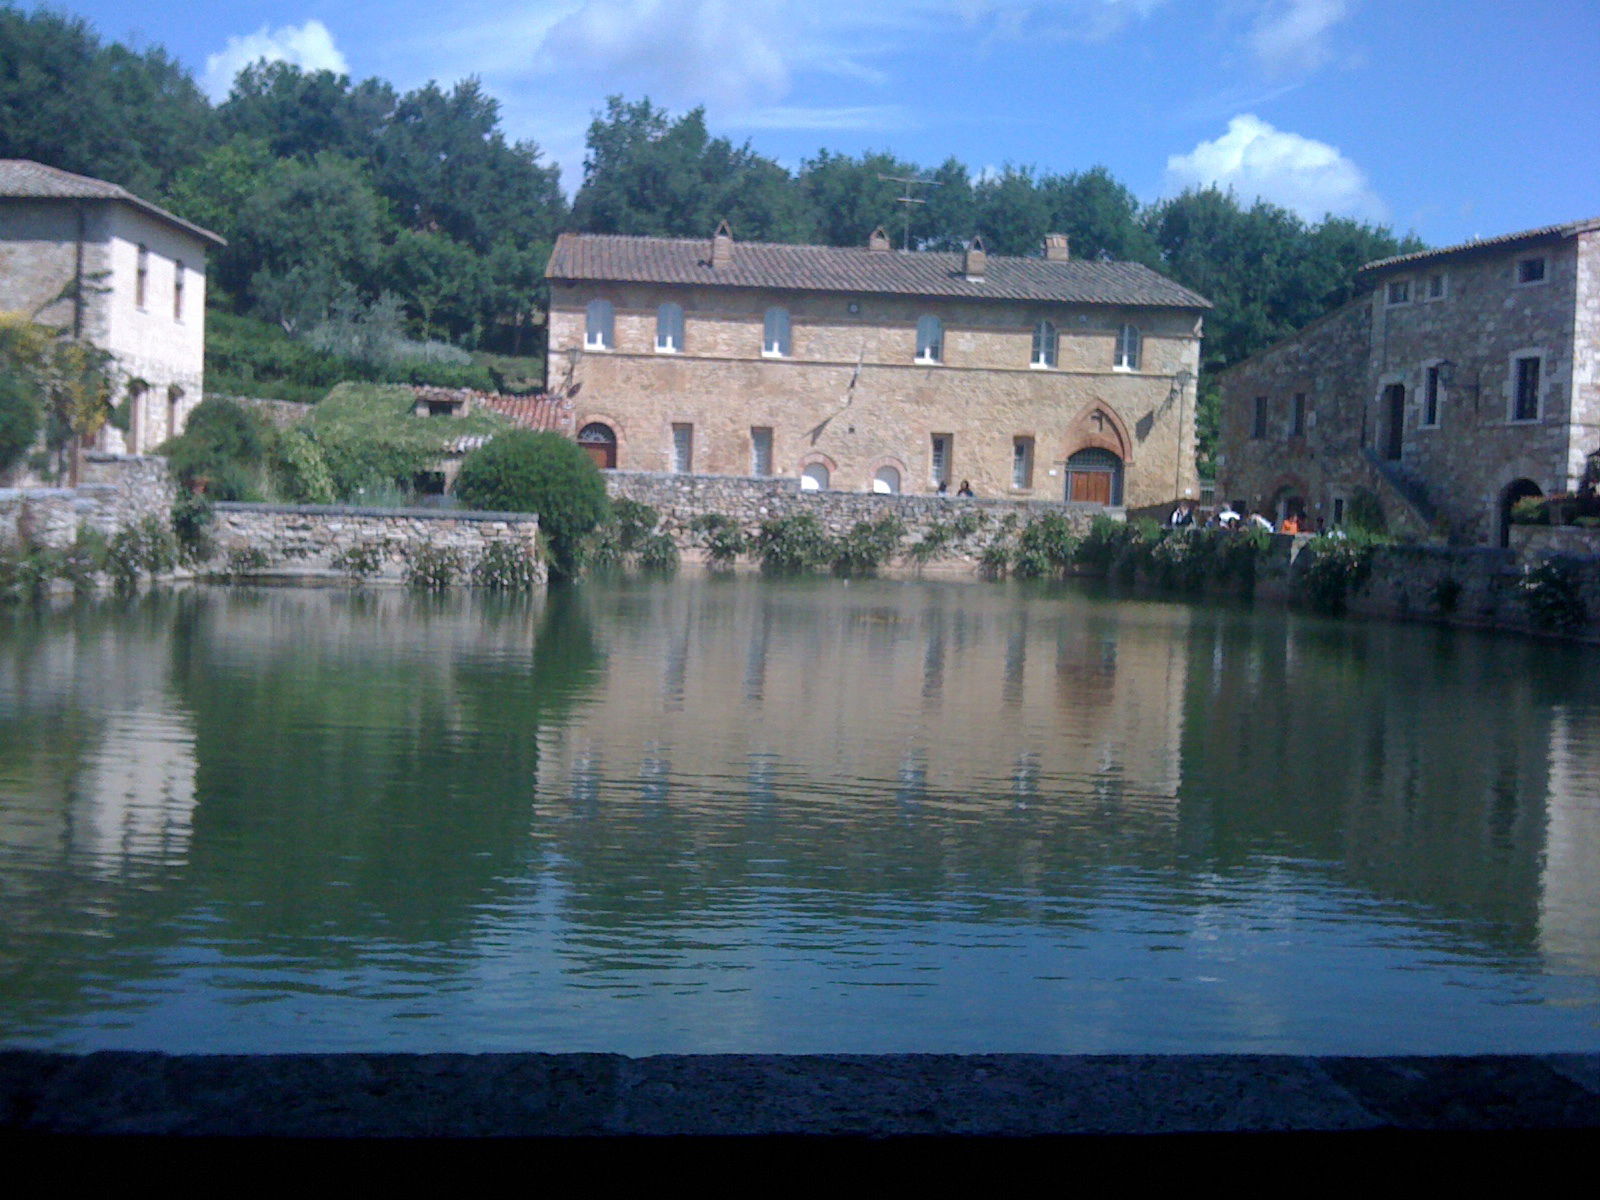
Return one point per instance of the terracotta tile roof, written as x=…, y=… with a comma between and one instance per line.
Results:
x=21, y=179
x=527, y=412
x=869, y=272
x=1504, y=242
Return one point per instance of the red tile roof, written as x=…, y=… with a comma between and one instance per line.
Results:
x=588, y=256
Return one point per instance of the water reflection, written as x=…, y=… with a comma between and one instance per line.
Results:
x=732, y=814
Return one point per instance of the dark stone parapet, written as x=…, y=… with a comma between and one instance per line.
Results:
x=545, y=1095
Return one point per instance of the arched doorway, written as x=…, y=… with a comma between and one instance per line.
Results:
x=814, y=478
x=886, y=481
x=1094, y=476
x=1517, y=489
x=600, y=441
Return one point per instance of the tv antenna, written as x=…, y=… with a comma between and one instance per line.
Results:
x=907, y=199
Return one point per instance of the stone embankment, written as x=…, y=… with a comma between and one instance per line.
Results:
x=750, y=501
x=114, y=492
x=309, y=540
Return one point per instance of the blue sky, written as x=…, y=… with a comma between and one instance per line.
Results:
x=1448, y=118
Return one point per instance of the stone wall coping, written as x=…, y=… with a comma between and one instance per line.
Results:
x=789, y=485
x=337, y=510
x=36, y=493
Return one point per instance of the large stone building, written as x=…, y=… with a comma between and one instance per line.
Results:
x=871, y=370
x=90, y=257
x=1456, y=382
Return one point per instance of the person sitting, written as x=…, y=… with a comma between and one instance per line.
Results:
x=1256, y=521
x=1225, y=517
x=1182, y=516
x=1289, y=524
x=965, y=489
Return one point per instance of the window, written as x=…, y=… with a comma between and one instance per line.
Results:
x=814, y=478
x=1297, y=416
x=930, y=339
x=177, y=290
x=141, y=279
x=1436, y=286
x=1430, y=397
x=598, y=319
x=1525, y=399
x=940, y=472
x=1258, y=427
x=1022, y=462
x=1530, y=270
x=682, y=449
x=1400, y=291
x=775, y=333
x=886, y=481
x=669, y=329
x=1044, y=345
x=761, y=450
x=1128, y=348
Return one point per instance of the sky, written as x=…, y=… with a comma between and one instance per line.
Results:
x=1450, y=119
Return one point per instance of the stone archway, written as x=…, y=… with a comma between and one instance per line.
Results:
x=1517, y=489
x=1094, y=476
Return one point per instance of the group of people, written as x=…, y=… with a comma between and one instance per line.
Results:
x=1225, y=516
x=964, y=490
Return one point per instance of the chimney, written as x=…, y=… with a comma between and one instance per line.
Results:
x=722, y=247
x=1055, y=247
x=878, y=240
x=976, y=260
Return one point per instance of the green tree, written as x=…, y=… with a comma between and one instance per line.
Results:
x=849, y=197
x=19, y=415
x=301, y=114
x=544, y=473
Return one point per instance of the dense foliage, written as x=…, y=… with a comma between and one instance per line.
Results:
x=539, y=472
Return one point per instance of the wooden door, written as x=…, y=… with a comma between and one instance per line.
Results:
x=1089, y=487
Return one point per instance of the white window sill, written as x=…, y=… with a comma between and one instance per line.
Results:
x=928, y=362
x=1041, y=366
x=773, y=354
x=667, y=350
x=595, y=346
x=1124, y=368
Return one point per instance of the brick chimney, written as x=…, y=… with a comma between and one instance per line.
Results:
x=722, y=247
x=878, y=240
x=1055, y=247
x=976, y=260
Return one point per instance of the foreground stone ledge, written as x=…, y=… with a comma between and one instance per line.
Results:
x=544, y=1095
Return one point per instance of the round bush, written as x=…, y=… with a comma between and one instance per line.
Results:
x=544, y=473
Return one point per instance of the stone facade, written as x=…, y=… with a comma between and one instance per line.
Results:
x=305, y=540
x=1029, y=369
x=87, y=256
x=1457, y=382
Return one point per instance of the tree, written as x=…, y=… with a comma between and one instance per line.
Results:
x=72, y=382
x=301, y=114
x=539, y=472
x=849, y=197
x=19, y=415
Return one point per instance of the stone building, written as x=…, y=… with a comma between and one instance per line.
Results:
x=88, y=256
x=869, y=370
x=1456, y=382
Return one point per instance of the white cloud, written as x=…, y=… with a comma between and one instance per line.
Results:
x=1292, y=36
x=309, y=46
x=1310, y=177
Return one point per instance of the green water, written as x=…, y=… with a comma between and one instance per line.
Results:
x=739, y=815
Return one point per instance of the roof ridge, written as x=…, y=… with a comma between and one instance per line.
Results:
x=1562, y=229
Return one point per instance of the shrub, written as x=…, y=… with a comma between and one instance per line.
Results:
x=1337, y=567
x=84, y=559
x=192, y=515
x=1105, y=540
x=544, y=473
x=222, y=451
x=995, y=559
x=789, y=545
x=723, y=539
x=20, y=416
x=1551, y=596
x=634, y=521
x=933, y=542
x=246, y=560
x=431, y=568
x=146, y=548
x=360, y=561
x=506, y=567
x=867, y=546
x=26, y=572
x=1046, y=546
x=1364, y=514
x=302, y=470
x=658, y=552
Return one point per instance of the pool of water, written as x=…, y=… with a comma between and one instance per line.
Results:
x=732, y=814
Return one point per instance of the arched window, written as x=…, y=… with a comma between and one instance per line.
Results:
x=600, y=442
x=814, y=478
x=1128, y=340
x=177, y=290
x=886, y=481
x=1044, y=344
x=775, y=333
x=1094, y=476
x=669, y=328
x=930, y=339
x=141, y=276
x=598, y=320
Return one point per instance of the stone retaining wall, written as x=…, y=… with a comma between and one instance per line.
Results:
x=114, y=491
x=750, y=501
x=306, y=539
x=1542, y=541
